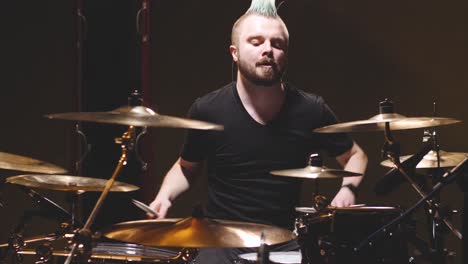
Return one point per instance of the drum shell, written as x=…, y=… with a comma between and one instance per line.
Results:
x=117, y=253
x=333, y=235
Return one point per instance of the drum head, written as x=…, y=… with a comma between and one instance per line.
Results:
x=286, y=257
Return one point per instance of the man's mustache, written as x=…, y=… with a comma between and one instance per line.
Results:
x=267, y=61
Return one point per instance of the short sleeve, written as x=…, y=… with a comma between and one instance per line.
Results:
x=197, y=144
x=334, y=144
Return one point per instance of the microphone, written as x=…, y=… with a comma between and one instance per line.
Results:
x=393, y=178
x=50, y=208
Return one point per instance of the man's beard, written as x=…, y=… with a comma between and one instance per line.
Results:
x=255, y=74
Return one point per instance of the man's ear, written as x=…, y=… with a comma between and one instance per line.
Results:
x=233, y=51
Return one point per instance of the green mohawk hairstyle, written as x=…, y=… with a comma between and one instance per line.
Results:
x=263, y=7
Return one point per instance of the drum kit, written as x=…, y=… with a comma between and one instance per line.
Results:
x=326, y=234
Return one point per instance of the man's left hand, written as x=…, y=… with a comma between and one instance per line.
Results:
x=344, y=198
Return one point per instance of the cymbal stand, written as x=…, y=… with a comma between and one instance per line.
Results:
x=436, y=214
x=320, y=202
x=75, y=198
x=83, y=237
x=391, y=149
x=446, y=179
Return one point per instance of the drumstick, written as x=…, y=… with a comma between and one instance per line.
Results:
x=357, y=205
x=145, y=208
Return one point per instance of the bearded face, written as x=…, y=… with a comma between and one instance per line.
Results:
x=265, y=72
x=261, y=49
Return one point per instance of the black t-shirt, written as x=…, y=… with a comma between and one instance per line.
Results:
x=240, y=157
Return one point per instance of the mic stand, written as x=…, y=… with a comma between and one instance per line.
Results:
x=48, y=209
x=447, y=178
x=16, y=241
x=83, y=237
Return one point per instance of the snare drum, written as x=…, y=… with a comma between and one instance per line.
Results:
x=331, y=235
x=286, y=257
x=120, y=253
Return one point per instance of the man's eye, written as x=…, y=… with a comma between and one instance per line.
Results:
x=279, y=45
x=255, y=43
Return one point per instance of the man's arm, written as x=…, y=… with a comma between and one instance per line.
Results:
x=176, y=181
x=354, y=160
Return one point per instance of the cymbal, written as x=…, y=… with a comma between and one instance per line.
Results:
x=377, y=123
x=20, y=163
x=68, y=183
x=312, y=172
x=447, y=159
x=136, y=116
x=197, y=233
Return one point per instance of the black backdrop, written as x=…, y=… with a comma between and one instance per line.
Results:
x=354, y=53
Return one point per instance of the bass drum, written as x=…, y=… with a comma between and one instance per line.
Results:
x=286, y=257
x=331, y=236
x=118, y=253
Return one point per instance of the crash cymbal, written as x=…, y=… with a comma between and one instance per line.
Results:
x=429, y=161
x=136, y=116
x=312, y=172
x=68, y=183
x=396, y=121
x=20, y=163
x=197, y=233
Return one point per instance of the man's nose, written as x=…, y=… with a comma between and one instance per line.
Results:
x=267, y=49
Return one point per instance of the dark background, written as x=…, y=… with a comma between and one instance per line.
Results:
x=353, y=53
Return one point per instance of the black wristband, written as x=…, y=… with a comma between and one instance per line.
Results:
x=352, y=188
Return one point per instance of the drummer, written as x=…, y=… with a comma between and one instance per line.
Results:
x=268, y=125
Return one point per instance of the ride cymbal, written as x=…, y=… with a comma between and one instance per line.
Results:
x=396, y=122
x=197, y=233
x=68, y=183
x=20, y=163
x=136, y=116
x=429, y=161
x=312, y=172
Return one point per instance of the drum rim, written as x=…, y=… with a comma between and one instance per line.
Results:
x=108, y=256
x=371, y=208
x=273, y=253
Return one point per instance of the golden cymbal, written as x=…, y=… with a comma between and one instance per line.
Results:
x=312, y=172
x=447, y=159
x=20, y=163
x=396, y=121
x=136, y=116
x=68, y=183
x=197, y=233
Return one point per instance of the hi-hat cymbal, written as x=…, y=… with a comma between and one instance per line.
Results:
x=20, y=163
x=396, y=121
x=68, y=183
x=197, y=233
x=136, y=116
x=429, y=161
x=312, y=172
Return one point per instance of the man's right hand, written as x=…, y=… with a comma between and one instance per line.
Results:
x=175, y=182
x=160, y=205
